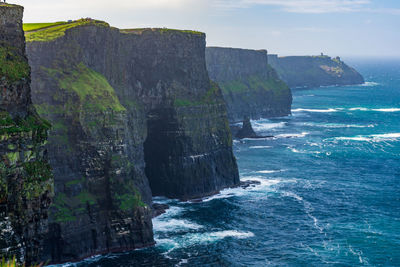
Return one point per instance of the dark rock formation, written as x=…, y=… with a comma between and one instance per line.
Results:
x=250, y=87
x=159, y=209
x=26, y=183
x=314, y=71
x=247, y=130
x=120, y=100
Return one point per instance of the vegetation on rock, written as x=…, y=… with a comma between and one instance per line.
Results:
x=161, y=30
x=92, y=88
x=210, y=97
x=12, y=66
x=32, y=123
x=52, y=31
x=27, y=27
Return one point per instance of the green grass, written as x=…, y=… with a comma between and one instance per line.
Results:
x=64, y=210
x=210, y=97
x=32, y=123
x=38, y=179
x=162, y=31
x=9, y=263
x=27, y=27
x=129, y=201
x=8, y=5
x=92, y=88
x=50, y=33
x=253, y=83
x=13, y=66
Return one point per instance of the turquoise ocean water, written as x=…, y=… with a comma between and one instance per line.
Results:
x=329, y=192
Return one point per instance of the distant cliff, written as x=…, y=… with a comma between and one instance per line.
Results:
x=251, y=88
x=26, y=183
x=314, y=71
x=133, y=111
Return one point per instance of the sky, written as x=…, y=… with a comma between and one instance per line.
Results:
x=346, y=28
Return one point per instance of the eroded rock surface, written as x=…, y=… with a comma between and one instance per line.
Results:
x=120, y=101
x=26, y=183
x=251, y=88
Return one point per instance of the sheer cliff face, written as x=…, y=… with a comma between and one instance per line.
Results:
x=188, y=150
x=26, y=183
x=120, y=101
x=102, y=196
x=314, y=71
x=250, y=87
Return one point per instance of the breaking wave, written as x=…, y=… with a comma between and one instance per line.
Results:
x=316, y=110
x=369, y=84
x=337, y=125
x=372, y=137
x=260, y=126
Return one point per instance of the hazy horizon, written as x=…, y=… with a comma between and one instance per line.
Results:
x=345, y=28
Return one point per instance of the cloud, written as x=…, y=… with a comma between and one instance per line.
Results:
x=107, y=4
x=309, y=6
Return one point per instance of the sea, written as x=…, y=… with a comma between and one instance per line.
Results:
x=328, y=192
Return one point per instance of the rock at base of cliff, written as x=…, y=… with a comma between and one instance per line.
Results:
x=247, y=131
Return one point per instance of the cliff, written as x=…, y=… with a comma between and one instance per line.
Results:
x=134, y=113
x=26, y=182
x=250, y=87
x=314, y=71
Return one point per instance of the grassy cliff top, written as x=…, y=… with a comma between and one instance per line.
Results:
x=9, y=5
x=44, y=32
x=161, y=30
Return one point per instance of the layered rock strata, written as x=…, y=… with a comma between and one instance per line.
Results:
x=250, y=87
x=133, y=111
x=26, y=182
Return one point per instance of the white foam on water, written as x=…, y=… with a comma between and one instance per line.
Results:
x=260, y=147
x=264, y=185
x=292, y=135
x=261, y=126
x=358, y=108
x=307, y=207
x=362, y=260
x=226, y=193
x=257, y=139
x=372, y=137
x=231, y=233
x=269, y=171
x=173, y=225
x=389, y=135
x=376, y=109
x=190, y=239
x=387, y=109
x=355, y=138
x=316, y=110
x=337, y=125
x=292, y=195
x=294, y=150
x=369, y=84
